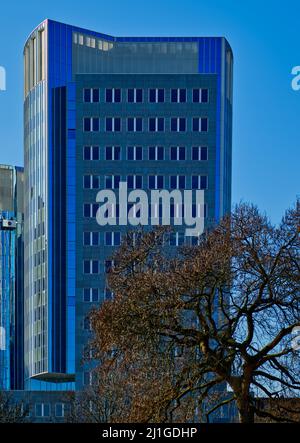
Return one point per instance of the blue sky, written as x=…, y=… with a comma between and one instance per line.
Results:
x=264, y=36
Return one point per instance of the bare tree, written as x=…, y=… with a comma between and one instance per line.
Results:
x=10, y=410
x=184, y=327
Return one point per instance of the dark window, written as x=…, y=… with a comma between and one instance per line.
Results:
x=59, y=410
x=160, y=153
x=174, y=95
x=200, y=95
x=173, y=124
x=108, y=238
x=117, y=124
x=204, y=95
x=196, y=95
x=195, y=210
x=86, y=238
x=130, y=95
x=130, y=183
x=203, y=153
x=139, y=95
x=86, y=294
x=151, y=182
x=181, y=182
x=152, y=95
x=130, y=153
x=117, y=97
x=130, y=123
x=108, y=181
x=86, y=210
x=95, y=296
x=195, y=153
x=95, y=208
x=95, y=150
x=96, y=95
x=203, y=182
x=87, y=181
x=160, y=181
x=195, y=182
x=178, y=95
x=180, y=238
x=109, y=95
x=139, y=153
x=178, y=124
x=117, y=153
x=139, y=124
x=108, y=152
x=138, y=182
x=95, y=238
x=182, y=124
x=95, y=182
x=135, y=95
x=160, y=95
x=87, y=124
x=117, y=240
x=160, y=124
x=87, y=153
x=152, y=124
x=134, y=124
x=87, y=95
x=96, y=124
x=108, y=124
x=95, y=267
x=204, y=124
x=86, y=266
x=173, y=181
x=46, y=410
x=173, y=239
x=181, y=153
x=151, y=153
x=156, y=95
x=196, y=124
x=182, y=95
x=174, y=153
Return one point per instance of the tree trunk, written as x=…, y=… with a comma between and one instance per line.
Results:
x=246, y=412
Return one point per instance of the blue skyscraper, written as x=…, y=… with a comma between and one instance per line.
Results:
x=153, y=112
x=11, y=278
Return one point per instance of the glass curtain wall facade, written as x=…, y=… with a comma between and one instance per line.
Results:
x=154, y=112
x=11, y=278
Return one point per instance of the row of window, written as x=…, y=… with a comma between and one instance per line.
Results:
x=89, y=378
x=93, y=238
x=198, y=153
x=93, y=266
x=44, y=409
x=155, y=95
x=90, y=210
x=92, y=42
x=94, y=295
x=154, y=181
x=114, y=239
x=155, y=124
